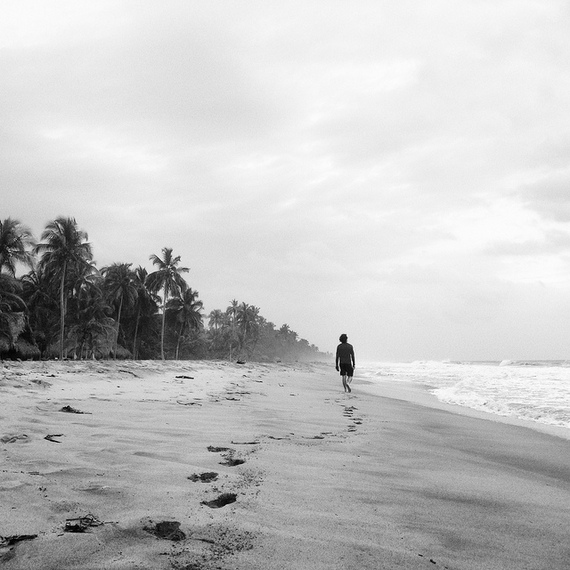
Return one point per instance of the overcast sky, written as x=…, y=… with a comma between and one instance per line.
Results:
x=395, y=170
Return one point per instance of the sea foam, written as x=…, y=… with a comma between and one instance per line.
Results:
x=531, y=390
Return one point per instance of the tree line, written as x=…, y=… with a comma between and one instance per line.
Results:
x=66, y=307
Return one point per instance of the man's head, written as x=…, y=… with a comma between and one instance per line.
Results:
x=343, y=338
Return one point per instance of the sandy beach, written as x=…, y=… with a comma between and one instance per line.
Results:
x=211, y=465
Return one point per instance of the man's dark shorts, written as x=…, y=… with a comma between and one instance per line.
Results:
x=346, y=369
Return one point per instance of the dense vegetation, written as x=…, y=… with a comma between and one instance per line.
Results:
x=66, y=307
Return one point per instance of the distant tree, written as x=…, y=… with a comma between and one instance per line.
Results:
x=267, y=345
x=243, y=327
x=186, y=311
x=246, y=319
x=216, y=319
x=41, y=299
x=92, y=328
x=231, y=313
x=168, y=278
x=121, y=289
x=65, y=252
x=12, y=309
x=218, y=333
x=284, y=330
x=10, y=294
x=16, y=242
x=146, y=305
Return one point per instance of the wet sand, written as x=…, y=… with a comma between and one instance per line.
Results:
x=310, y=477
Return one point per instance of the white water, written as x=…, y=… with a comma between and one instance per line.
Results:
x=536, y=390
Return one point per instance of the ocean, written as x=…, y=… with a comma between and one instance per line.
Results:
x=538, y=391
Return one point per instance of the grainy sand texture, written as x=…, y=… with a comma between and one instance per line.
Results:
x=211, y=465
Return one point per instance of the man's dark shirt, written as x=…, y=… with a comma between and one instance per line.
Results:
x=345, y=354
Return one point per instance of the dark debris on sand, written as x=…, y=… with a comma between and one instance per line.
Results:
x=214, y=449
x=8, y=543
x=81, y=524
x=50, y=437
x=70, y=410
x=21, y=437
x=14, y=539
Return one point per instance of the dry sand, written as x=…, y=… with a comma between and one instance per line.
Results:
x=314, y=478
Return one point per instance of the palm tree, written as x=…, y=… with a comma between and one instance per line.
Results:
x=167, y=278
x=83, y=282
x=15, y=239
x=121, y=288
x=246, y=318
x=41, y=299
x=232, y=312
x=64, y=251
x=187, y=310
x=10, y=294
x=215, y=319
x=92, y=326
x=218, y=331
x=145, y=303
x=12, y=309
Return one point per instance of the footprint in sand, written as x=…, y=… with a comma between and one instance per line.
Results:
x=349, y=413
x=231, y=461
x=221, y=501
x=167, y=530
x=207, y=477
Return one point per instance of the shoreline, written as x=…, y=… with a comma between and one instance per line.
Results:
x=420, y=394
x=313, y=478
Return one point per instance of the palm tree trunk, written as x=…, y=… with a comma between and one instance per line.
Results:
x=163, y=322
x=136, y=334
x=162, y=332
x=62, y=310
x=118, y=325
x=179, y=339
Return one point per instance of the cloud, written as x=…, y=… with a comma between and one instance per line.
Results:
x=549, y=195
x=398, y=170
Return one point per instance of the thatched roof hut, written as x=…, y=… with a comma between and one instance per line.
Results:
x=13, y=324
x=123, y=353
x=12, y=346
x=22, y=349
x=26, y=350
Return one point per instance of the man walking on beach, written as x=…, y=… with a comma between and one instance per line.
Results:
x=345, y=361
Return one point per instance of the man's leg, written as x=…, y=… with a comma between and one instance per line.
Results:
x=344, y=384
